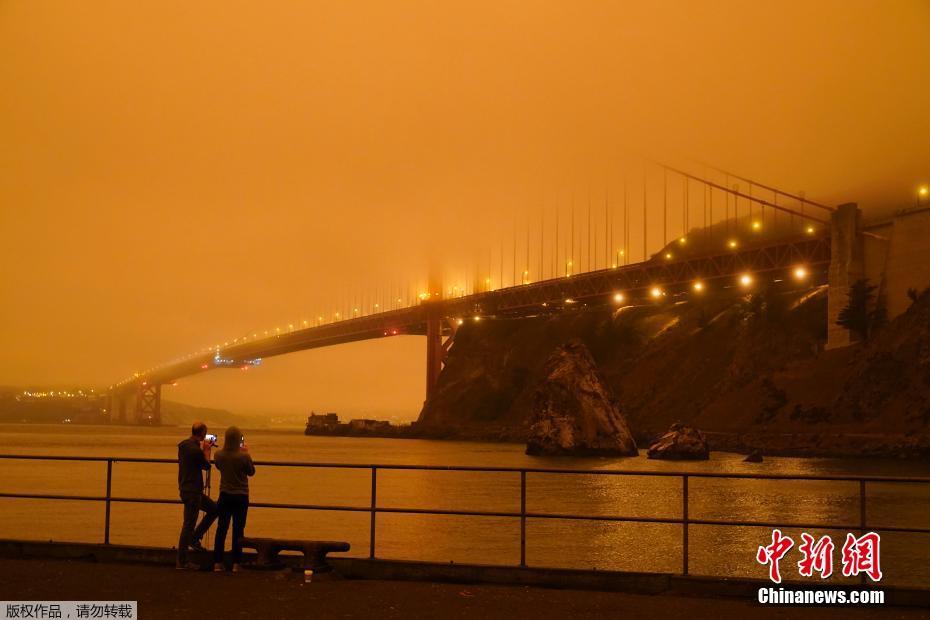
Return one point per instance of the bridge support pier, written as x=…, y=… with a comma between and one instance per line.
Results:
x=148, y=404
x=847, y=264
x=435, y=352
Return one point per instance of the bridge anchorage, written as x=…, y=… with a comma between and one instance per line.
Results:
x=767, y=240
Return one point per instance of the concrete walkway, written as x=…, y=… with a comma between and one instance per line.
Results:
x=167, y=593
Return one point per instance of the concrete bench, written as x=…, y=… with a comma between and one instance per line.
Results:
x=314, y=551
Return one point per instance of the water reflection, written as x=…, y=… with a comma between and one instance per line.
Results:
x=652, y=547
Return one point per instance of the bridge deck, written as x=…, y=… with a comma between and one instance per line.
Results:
x=634, y=280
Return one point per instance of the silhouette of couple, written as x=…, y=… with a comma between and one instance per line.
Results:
x=235, y=466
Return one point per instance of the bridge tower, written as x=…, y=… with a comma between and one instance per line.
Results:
x=148, y=403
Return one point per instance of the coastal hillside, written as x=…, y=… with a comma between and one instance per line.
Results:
x=750, y=370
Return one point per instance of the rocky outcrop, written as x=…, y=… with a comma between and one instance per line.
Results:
x=574, y=412
x=680, y=443
x=750, y=377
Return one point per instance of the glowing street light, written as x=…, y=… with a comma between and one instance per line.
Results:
x=745, y=280
x=757, y=225
x=618, y=297
x=810, y=230
x=668, y=256
x=698, y=286
x=655, y=292
x=683, y=240
x=732, y=243
x=922, y=193
x=800, y=273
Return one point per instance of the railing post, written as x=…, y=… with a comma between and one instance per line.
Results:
x=684, y=524
x=374, y=501
x=523, y=518
x=862, y=517
x=106, y=522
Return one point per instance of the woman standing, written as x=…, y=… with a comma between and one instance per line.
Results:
x=235, y=466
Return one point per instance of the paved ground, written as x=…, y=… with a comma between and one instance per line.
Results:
x=166, y=593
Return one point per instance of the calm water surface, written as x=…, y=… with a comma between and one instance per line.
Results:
x=714, y=550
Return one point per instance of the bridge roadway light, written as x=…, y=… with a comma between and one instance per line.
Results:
x=800, y=273
x=683, y=240
x=655, y=292
x=698, y=286
x=732, y=243
x=757, y=225
x=745, y=280
x=668, y=256
x=618, y=297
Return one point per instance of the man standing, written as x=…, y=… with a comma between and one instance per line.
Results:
x=193, y=460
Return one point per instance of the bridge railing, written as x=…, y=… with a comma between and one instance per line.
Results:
x=373, y=509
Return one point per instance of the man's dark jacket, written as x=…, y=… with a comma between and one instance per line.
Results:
x=191, y=465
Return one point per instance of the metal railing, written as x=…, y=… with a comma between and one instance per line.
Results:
x=685, y=521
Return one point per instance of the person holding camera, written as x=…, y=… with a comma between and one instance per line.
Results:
x=193, y=460
x=235, y=465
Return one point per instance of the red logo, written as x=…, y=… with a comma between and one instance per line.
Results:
x=859, y=555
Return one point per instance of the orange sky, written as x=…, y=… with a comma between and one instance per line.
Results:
x=175, y=173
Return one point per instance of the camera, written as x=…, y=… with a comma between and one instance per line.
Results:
x=210, y=439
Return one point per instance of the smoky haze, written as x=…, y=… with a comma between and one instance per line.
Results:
x=173, y=174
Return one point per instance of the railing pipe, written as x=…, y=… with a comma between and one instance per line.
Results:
x=684, y=524
x=374, y=511
x=106, y=520
x=523, y=518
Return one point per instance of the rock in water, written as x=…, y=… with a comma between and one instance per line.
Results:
x=574, y=412
x=753, y=457
x=679, y=443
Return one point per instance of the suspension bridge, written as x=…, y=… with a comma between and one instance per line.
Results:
x=760, y=233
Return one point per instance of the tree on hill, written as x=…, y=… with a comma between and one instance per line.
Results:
x=862, y=314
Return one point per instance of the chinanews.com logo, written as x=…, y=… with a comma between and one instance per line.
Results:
x=860, y=556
